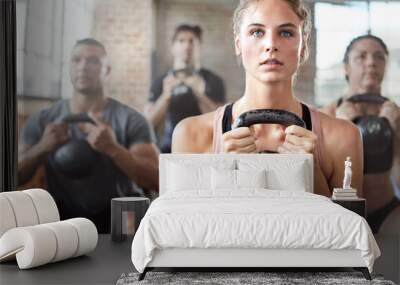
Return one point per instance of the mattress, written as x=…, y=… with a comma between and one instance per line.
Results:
x=251, y=219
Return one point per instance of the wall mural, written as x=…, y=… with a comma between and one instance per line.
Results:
x=101, y=88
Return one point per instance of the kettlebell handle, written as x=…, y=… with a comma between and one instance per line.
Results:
x=268, y=116
x=367, y=98
x=78, y=118
x=188, y=71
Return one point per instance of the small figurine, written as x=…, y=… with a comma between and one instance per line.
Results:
x=347, y=192
x=347, y=174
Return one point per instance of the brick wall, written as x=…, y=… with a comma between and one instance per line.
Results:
x=125, y=28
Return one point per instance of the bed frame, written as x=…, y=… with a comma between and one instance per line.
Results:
x=250, y=258
x=246, y=259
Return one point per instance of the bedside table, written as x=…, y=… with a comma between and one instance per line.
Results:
x=358, y=205
x=126, y=214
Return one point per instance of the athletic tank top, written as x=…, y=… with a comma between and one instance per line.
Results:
x=223, y=122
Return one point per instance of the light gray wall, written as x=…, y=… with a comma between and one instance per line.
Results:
x=39, y=50
x=46, y=32
x=78, y=24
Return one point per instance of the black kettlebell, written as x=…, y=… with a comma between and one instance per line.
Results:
x=183, y=102
x=268, y=116
x=367, y=98
x=76, y=158
x=377, y=135
x=181, y=89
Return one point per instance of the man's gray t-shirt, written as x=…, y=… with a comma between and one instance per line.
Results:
x=90, y=196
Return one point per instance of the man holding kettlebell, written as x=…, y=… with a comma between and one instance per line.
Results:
x=185, y=90
x=123, y=156
x=379, y=122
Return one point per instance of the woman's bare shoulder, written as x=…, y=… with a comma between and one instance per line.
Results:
x=194, y=134
x=341, y=139
x=339, y=132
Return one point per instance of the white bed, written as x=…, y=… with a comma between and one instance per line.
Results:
x=247, y=211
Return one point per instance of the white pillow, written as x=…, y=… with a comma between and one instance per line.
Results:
x=282, y=174
x=295, y=181
x=225, y=179
x=187, y=175
x=251, y=178
x=182, y=177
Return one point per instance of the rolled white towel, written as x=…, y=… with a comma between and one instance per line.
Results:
x=67, y=240
x=87, y=234
x=33, y=246
x=45, y=205
x=7, y=218
x=23, y=208
x=40, y=244
x=26, y=208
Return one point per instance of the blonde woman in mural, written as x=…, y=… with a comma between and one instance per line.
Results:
x=271, y=38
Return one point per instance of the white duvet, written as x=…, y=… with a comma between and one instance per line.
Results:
x=250, y=219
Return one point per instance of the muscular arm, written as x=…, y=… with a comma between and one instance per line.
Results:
x=321, y=186
x=139, y=163
x=210, y=98
x=31, y=156
x=155, y=112
x=29, y=159
x=300, y=140
x=391, y=111
x=396, y=162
